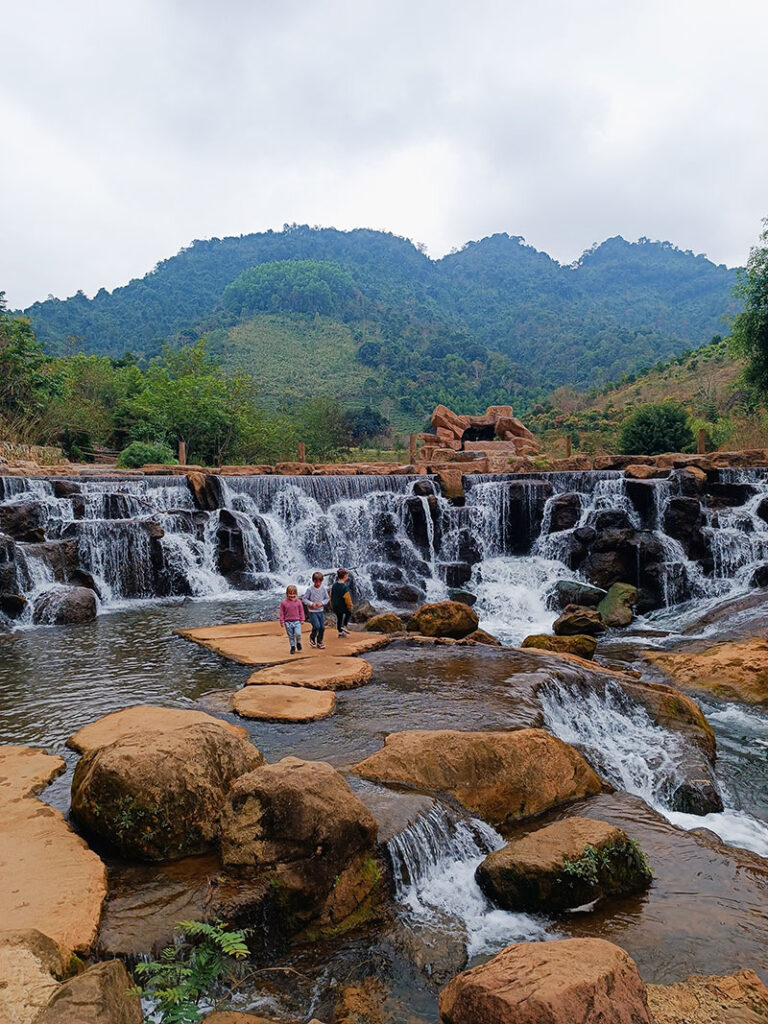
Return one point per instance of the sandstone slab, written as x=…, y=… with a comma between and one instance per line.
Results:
x=157, y=796
x=267, y=644
x=51, y=881
x=322, y=672
x=574, y=981
x=739, y=998
x=283, y=703
x=732, y=671
x=501, y=776
x=566, y=864
x=145, y=719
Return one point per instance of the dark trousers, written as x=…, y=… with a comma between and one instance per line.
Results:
x=343, y=615
x=317, y=619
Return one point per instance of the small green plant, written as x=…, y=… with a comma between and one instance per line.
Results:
x=655, y=429
x=188, y=971
x=142, y=453
x=585, y=867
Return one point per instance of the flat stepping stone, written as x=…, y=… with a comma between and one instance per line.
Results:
x=318, y=673
x=270, y=646
x=143, y=718
x=233, y=629
x=283, y=703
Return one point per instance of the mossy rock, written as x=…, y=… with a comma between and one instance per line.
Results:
x=580, y=645
x=568, y=864
x=385, y=622
x=616, y=608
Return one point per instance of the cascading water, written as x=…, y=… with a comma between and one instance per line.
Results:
x=433, y=867
x=634, y=754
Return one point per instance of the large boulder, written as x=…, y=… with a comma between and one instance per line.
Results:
x=564, y=512
x=65, y=606
x=579, y=644
x=444, y=618
x=567, y=592
x=573, y=981
x=501, y=776
x=385, y=622
x=739, y=998
x=145, y=719
x=299, y=825
x=24, y=520
x=102, y=994
x=158, y=795
x=615, y=609
x=577, y=620
x=566, y=864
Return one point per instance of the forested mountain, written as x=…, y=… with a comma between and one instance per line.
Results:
x=493, y=321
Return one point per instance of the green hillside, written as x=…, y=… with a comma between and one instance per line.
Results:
x=497, y=321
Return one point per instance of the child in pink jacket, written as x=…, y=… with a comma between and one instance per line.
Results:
x=292, y=616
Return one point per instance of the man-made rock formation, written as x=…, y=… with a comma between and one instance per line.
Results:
x=731, y=671
x=501, y=776
x=157, y=795
x=498, y=430
x=100, y=995
x=574, y=981
x=322, y=672
x=577, y=620
x=64, y=606
x=444, y=618
x=580, y=645
x=385, y=622
x=283, y=703
x=299, y=825
x=31, y=967
x=51, y=881
x=145, y=719
x=615, y=609
x=739, y=998
x=566, y=864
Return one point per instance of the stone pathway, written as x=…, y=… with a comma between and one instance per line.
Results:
x=283, y=703
x=265, y=643
x=51, y=881
x=323, y=672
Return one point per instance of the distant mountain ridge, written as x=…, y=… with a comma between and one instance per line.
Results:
x=519, y=320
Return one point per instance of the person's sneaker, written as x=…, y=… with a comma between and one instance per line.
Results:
x=320, y=647
x=345, y=632
x=293, y=650
x=311, y=643
x=341, y=635
x=298, y=647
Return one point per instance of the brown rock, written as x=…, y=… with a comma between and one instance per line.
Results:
x=385, y=622
x=578, y=619
x=293, y=469
x=233, y=1017
x=283, y=703
x=444, y=618
x=31, y=966
x=363, y=1003
x=322, y=672
x=502, y=776
x=65, y=606
x=566, y=864
x=640, y=472
x=497, y=412
x=157, y=796
x=616, y=608
x=100, y=995
x=731, y=671
x=580, y=645
x=739, y=998
x=513, y=426
x=448, y=420
x=298, y=824
x=480, y=636
x=147, y=719
x=51, y=881
x=573, y=981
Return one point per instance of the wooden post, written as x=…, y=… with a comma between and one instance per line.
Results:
x=568, y=441
x=302, y=452
x=412, y=449
x=182, y=453
x=702, y=446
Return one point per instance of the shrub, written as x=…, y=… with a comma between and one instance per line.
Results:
x=139, y=453
x=654, y=429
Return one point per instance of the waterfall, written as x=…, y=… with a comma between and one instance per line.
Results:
x=433, y=867
x=623, y=744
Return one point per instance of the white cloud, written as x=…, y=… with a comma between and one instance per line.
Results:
x=131, y=128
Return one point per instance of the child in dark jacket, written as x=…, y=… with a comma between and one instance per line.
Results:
x=341, y=601
x=292, y=616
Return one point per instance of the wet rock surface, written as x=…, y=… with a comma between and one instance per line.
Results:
x=581, y=645
x=739, y=998
x=735, y=671
x=444, y=618
x=65, y=606
x=577, y=620
x=567, y=864
x=100, y=995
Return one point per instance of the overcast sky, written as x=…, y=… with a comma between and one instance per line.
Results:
x=130, y=129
